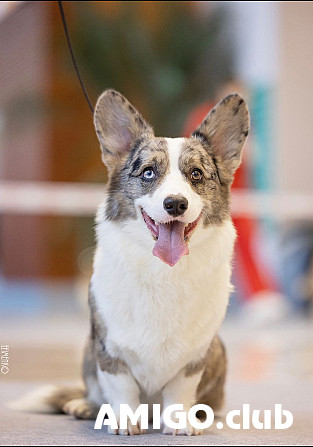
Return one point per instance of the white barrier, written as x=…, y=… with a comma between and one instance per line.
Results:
x=82, y=199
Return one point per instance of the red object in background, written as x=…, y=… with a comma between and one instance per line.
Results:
x=196, y=116
x=250, y=274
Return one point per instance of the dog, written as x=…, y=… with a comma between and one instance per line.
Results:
x=162, y=268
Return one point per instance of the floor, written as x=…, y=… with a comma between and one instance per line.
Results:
x=268, y=364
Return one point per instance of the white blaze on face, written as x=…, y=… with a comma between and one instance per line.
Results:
x=173, y=184
x=172, y=234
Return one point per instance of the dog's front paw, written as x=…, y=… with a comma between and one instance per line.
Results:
x=81, y=409
x=189, y=430
x=131, y=430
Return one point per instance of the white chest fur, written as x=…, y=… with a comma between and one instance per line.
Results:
x=159, y=318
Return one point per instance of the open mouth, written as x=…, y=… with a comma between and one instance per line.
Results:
x=154, y=227
x=171, y=238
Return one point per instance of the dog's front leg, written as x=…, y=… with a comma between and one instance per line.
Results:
x=181, y=390
x=121, y=388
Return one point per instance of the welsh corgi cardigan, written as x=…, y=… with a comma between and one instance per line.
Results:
x=162, y=268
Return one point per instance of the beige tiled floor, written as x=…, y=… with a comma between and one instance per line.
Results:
x=268, y=365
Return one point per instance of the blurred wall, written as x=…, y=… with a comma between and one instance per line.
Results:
x=41, y=110
x=24, y=136
x=294, y=159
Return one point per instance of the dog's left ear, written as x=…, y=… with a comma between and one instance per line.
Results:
x=118, y=125
x=225, y=130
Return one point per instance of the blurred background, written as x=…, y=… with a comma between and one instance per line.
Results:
x=173, y=61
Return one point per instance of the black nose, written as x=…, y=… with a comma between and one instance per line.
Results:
x=175, y=205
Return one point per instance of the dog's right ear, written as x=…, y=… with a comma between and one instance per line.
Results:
x=118, y=125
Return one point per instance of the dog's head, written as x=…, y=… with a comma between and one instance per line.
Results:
x=173, y=185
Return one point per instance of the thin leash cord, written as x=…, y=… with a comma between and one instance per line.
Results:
x=73, y=57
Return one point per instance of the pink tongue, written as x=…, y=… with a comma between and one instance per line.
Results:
x=171, y=245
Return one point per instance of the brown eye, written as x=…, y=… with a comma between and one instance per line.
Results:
x=196, y=175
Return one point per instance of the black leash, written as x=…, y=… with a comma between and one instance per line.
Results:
x=73, y=57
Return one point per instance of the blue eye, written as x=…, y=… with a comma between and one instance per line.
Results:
x=148, y=174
